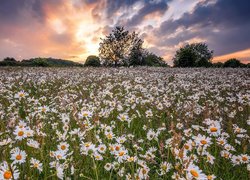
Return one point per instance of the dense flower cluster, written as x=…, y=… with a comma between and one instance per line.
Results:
x=125, y=123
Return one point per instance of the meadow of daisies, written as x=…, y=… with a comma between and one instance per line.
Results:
x=124, y=123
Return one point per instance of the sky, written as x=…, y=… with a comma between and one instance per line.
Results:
x=71, y=29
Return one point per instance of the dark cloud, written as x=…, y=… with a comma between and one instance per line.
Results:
x=11, y=10
x=112, y=6
x=224, y=24
x=147, y=9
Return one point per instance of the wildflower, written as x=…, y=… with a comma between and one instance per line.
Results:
x=36, y=164
x=20, y=95
x=43, y=109
x=122, y=155
x=245, y=158
x=143, y=172
x=193, y=172
x=20, y=133
x=165, y=167
x=33, y=143
x=98, y=156
x=225, y=154
x=121, y=140
x=123, y=117
x=18, y=156
x=59, y=171
x=149, y=113
x=202, y=140
x=5, y=142
x=63, y=146
x=85, y=114
x=102, y=148
x=7, y=173
x=214, y=128
x=179, y=125
x=151, y=135
x=211, y=177
x=108, y=166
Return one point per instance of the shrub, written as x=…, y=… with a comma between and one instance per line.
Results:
x=92, y=61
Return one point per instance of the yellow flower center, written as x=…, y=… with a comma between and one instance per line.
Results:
x=36, y=165
x=85, y=114
x=213, y=129
x=226, y=155
x=194, y=173
x=18, y=157
x=63, y=147
x=7, y=175
x=186, y=146
x=164, y=167
x=20, y=133
x=144, y=171
x=203, y=142
x=131, y=159
x=221, y=142
x=87, y=145
x=117, y=148
x=209, y=177
x=109, y=136
x=121, y=153
x=244, y=158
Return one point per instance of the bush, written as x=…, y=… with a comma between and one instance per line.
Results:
x=233, y=63
x=153, y=60
x=218, y=65
x=193, y=55
x=92, y=61
x=9, y=61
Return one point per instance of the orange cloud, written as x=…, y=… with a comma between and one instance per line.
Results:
x=244, y=56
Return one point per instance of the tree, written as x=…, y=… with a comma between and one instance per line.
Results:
x=10, y=59
x=218, y=65
x=153, y=60
x=233, y=63
x=119, y=46
x=92, y=61
x=193, y=55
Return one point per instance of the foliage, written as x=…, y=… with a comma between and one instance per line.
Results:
x=193, y=55
x=218, y=65
x=9, y=61
x=119, y=46
x=92, y=61
x=233, y=63
x=154, y=60
x=39, y=62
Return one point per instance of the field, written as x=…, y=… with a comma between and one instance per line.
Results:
x=124, y=123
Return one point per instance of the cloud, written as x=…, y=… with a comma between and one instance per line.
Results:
x=73, y=28
x=223, y=24
x=149, y=8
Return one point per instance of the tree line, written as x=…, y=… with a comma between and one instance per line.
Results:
x=121, y=48
x=124, y=48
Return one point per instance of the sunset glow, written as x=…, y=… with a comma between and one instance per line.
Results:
x=71, y=29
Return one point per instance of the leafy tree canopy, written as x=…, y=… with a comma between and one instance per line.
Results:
x=193, y=55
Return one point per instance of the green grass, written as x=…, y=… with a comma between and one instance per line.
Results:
x=188, y=97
